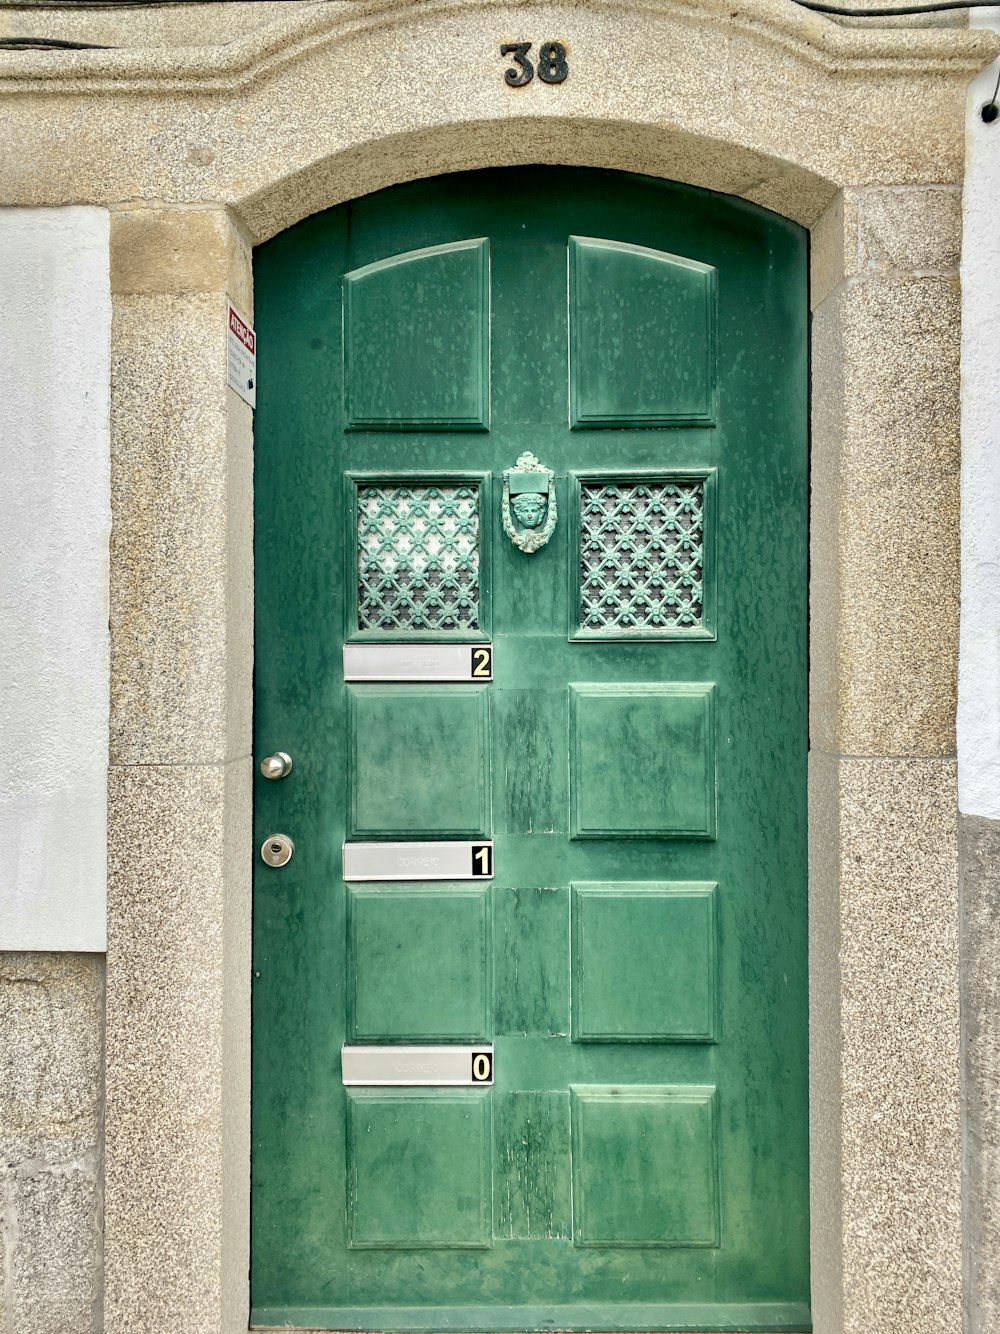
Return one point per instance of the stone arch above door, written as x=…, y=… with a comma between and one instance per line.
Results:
x=321, y=103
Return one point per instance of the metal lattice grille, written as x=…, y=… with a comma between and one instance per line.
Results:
x=418, y=557
x=642, y=555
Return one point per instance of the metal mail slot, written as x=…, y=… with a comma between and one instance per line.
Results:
x=416, y=1067
x=418, y=662
x=419, y=861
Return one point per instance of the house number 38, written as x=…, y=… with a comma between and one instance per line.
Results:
x=551, y=60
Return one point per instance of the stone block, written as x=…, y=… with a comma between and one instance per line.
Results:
x=54, y=1267
x=832, y=243
x=177, y=1202
x=890, y=231
x=250, y=122
x=888, y=1056
x=179, y=250
x=885, y=508
x=51, y=1010
x=181, y=553
x=904, y=229
x=825, y=1073
x=51, y=1082
x=980, y=884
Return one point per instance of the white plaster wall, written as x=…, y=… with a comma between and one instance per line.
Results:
x=979, y=657
x=55, y=332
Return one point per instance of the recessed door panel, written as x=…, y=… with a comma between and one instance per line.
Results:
x=416, y=340
x=642, y=335
x=420, y=762
x=663, y=938
x=419, y=963
x=629, y=1142
x=554, y=913
x=642, y=761
x=419, y=1170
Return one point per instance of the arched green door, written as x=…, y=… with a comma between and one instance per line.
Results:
x=578, y=859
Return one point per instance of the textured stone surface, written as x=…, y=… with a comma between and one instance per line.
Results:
x=770, y=102
x=177, y=1200
x=50, y=1123
x=146, y=25
x=891, y=230
x=181, y=627
x=909, y=230
x=893, y=922
x=980, y=885
x=885, y=534
x=50, y=1049
x=825, y=1039
x=55, y=1268
x=178, y=250
x=832, y=239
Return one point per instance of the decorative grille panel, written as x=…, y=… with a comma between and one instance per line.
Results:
x=642, y=546
x=418, y=557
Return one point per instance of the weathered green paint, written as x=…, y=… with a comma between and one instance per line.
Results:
x=440, y=379
x=628, y=1144
x=632, y=930
x=418, y=1169
x=643, y=760
x=400, y=979
x=440, y=736
x=639, y=959
x=642, y=336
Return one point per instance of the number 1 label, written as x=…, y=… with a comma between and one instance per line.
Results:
x=482, y=859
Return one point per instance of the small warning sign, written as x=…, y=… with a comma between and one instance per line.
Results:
x=242, y=360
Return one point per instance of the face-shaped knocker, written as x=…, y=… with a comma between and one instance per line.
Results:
x=529, y=489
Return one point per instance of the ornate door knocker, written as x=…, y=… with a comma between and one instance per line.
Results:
x=529, y=489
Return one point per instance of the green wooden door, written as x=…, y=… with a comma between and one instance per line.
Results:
x=638, y=959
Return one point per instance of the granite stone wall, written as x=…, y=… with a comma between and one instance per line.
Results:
x=51, y=1120
x=979, y=844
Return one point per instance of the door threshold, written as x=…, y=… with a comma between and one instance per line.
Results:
x=635, y=1318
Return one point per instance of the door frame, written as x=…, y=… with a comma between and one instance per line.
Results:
x=810, y=128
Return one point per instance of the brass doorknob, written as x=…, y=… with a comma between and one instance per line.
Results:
x=278, y=765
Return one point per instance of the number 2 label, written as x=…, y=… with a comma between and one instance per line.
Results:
x=482, y=664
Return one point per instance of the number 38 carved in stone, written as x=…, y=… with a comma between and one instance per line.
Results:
x=552, y=66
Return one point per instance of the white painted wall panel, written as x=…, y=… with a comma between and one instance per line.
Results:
x=55, y=333
x=979, y=658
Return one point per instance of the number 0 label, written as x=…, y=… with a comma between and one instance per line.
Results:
x=482, y=1067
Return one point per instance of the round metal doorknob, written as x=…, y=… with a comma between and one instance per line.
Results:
x=278, y=765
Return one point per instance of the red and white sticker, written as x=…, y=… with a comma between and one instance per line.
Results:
x=241, y=367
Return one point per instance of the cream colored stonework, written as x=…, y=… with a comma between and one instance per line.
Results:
x=217, y=133
x=764, y=101
x=179, y=251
